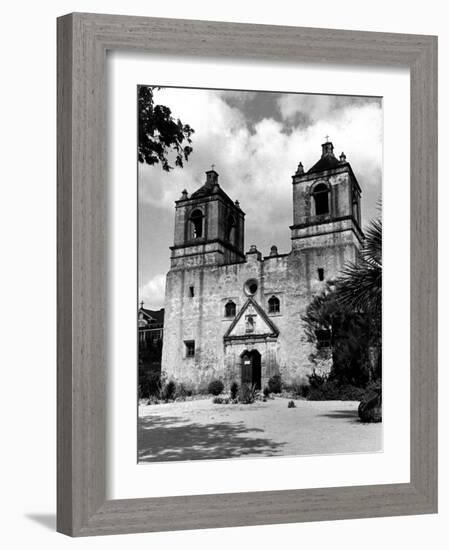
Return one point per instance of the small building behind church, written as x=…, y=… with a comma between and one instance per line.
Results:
x=237, y=315
x=151, y=331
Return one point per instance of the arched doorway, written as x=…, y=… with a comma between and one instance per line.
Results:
x=251, y=368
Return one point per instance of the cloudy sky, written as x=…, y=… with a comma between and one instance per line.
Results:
x=255, y=140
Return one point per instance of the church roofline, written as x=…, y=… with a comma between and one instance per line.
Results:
x=153, y=315
x=210, y=189
x=343, y=167
x=261, y=312
x=274, y=256
x=208, y=198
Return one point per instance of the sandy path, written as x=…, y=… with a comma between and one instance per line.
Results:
x=201, y=430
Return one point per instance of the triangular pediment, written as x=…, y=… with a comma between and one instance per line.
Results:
x=251, y=322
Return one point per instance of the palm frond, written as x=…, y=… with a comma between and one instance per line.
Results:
x=359, y=286
x=372, y=249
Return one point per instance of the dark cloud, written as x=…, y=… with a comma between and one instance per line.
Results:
x=255, y=140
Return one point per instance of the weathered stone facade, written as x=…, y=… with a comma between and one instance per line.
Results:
x=235, y=315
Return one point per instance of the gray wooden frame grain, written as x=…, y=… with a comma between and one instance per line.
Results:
x=83, y=40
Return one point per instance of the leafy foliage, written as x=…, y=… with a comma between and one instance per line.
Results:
x=348, y=337
x=323, y=388
x=182, y=392
x=149, y=382
x=154, y=383
x=370, y=408
x=215, y=387
x=160, y=134
x=360, y=285
x=169, y=391
x=221, y=400
x=275, y=384
x=150, y=369
x=247, y=394
x=349, y=311
x=234, y=390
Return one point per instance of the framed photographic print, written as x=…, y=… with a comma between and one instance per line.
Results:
x=246, y=274
x=226, y=323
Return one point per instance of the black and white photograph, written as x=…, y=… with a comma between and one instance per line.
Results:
x=259, y=315
x=223, y=220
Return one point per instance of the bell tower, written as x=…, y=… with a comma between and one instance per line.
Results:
x=326, y=210
x=209, y=227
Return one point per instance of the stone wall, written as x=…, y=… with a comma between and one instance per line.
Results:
x=210, y=271
x=292, y=278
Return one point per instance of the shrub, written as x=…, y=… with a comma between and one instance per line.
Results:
x=275, y=384
x=149, y=383
x=291, y=405
x=321, y=389
x=182, y=392
x=370, y=408
x=351, y=393
x=169, y=391
x=221, y=400
x=153, y=400
x=299, y=386
x=266, y=392
x=234, y=390
x=154, y=383
x=315, y=380
x=324, y=389
x=215, y=387
x=374, y=387
x=247, y=394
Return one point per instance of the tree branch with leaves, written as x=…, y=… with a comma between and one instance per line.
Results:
x=160, y=134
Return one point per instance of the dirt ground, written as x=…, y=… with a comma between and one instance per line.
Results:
x=195, y=430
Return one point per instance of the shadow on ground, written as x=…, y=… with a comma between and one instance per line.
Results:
x=46, y=520
x=344, y=414
x=166, y=438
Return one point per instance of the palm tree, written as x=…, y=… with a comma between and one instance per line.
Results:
x=360, y=288
x=360, y=284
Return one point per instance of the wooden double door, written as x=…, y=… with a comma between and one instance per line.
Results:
x=252, y=369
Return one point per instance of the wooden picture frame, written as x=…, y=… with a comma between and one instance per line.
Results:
x=83, y=40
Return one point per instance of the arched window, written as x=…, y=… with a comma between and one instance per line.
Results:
x=231, y=229
x=321, y=198
x=230, y=309
x=274, y=306
x=196, y=224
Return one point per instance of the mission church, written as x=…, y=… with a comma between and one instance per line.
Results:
x=236, y=315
